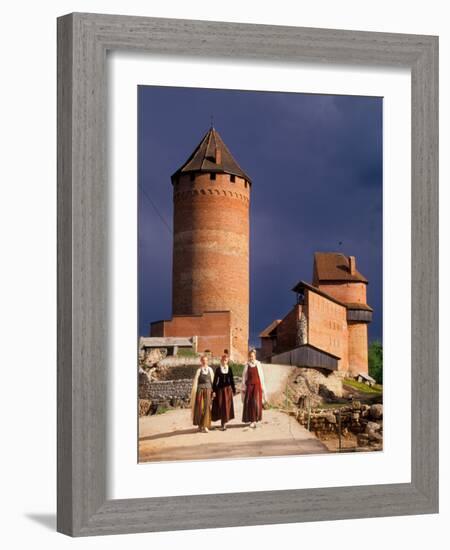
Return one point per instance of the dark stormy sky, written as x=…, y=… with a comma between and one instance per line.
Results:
x=316, y=166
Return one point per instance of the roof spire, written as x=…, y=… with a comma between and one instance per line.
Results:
x=211, y=155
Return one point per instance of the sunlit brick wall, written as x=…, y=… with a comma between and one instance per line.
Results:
x=211, y=250
x=327, y=327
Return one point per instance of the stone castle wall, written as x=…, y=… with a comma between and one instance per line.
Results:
x=163, y=393
x=365, y=421
x=169, y=393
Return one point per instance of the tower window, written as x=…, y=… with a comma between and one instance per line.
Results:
x=246, y=183
x=192, y=176
x=212, y=175
x=232, y=178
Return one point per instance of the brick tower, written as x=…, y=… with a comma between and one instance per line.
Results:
x=211, y=195
x=336, y=275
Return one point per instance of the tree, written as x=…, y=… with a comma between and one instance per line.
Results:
x=376, y=361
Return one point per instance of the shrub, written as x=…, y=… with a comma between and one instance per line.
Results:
x=376, y=361
x=237, y=368
x=186, y=352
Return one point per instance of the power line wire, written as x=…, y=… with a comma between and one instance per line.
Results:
x=155, y=208
x=161, y=217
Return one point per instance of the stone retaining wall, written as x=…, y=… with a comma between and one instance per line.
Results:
x=164, y=390
x=316, y=385
x=178, y=372
x=163, y=394
x=154, y=395
x=366, y=421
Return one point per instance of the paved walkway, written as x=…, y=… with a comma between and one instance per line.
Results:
x=171, y=436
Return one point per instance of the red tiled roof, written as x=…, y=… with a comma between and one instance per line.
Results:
x=301, y=285
x=334, y=266
x=273, y=325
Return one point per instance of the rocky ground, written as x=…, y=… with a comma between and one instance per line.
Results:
x=360, y=425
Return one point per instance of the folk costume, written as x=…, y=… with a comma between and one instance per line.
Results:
x=253, y=392
x=201, y=397
x=224, y=389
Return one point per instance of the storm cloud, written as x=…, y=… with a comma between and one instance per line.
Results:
x=316, y=167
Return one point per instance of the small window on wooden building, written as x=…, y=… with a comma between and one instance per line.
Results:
x=212, y=175
x=232, y=178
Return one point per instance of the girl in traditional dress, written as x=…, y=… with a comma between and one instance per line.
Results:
x=253, y=390
x=201, y=396
x=224, y=390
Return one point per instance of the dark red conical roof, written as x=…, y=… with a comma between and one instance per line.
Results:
x=211, y=155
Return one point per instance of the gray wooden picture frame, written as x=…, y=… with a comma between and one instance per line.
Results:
x=83, y=41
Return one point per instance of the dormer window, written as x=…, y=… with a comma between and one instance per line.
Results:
x=232, y=178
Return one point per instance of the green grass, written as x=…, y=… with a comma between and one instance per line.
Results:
x=363, y=388
x=186, y=352
x=237, y=368
x=161, y=410
x=270, y=406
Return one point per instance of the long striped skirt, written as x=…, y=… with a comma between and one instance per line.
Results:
x=202, y=408
x=223, y=407
x=252, y=410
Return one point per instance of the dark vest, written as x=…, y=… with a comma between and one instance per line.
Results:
x=204, y=381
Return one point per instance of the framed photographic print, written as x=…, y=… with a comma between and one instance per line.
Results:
x=229, y=236
x=247, y=274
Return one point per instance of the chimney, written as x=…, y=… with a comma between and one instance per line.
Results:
x=218, y=156
x=352, y=264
